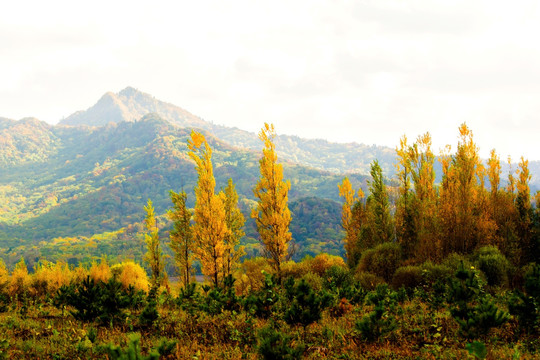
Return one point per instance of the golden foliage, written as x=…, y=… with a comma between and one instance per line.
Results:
x=4, y=275
x=20, y=279
x=272, y=214
x=210, y=229
x=49, y=277
x=100, y=272
x=251, y=274
x=322, y=262
x=235, y=222
x=351, y=227
x=130, y=273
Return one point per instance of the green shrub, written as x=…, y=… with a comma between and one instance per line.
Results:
x=96, y=300
x=276, y=345
x=133, y=349
x=455, y=261
x=474, y=311
x=493, y=264
x=314, y=280
x=380, y=321
x=431, y=273
x=261, y=303
x=383, y=260
x=149, y=315
x=305, y=306
x=189, y=298
x=526, y=306
x=408, y=277
x=337, y=277
x=368, y=281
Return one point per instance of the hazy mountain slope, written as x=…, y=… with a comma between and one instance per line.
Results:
x=98, y=179
x=131, y=104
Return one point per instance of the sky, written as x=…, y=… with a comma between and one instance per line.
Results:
x=362, y=71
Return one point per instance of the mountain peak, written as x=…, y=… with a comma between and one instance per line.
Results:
x=130, y=104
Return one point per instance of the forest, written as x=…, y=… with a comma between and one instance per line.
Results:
x=429, y=269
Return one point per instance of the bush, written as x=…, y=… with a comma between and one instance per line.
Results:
x=100, y=272
x=322, y=262
x=251, y=275
x=475, y=312
x=133, y=349
x=526, y=306
x=130, y=273
x=96, y=300
x=493, y=264
x=314, y=280
x=380, y=321
x=368, y=281
x=305, y=305
x=408, y=277
x=383, y=260
x=433, y=273
x=274, y=345
x=455, y=261
x=261, y=303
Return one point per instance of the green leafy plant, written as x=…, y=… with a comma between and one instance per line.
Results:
x=380, y=321
x=473, y=310
x=276, y=345
x=133, y=349
x=305, y=305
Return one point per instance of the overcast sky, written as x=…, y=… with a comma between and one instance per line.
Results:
x=363, y=71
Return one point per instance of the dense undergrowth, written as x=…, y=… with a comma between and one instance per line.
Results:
x=321, y=309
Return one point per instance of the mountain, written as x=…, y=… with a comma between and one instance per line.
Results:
x=131, y=104
x=76, y=190
x=73, y=182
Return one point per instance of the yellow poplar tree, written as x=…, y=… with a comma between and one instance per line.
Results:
x=350, y=219
x=272, y=214
x=181, y=236
x=524, y=211
x=235, y=222
x=154, y=255
x=210, y=228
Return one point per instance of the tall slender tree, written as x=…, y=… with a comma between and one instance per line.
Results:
x=524, y=211
x=405, y=217
x=181, y=236
x=235, y=222
x=210, y=228
x=378, y=206
x=154, y=254
x=272, y=214
x=351, y=220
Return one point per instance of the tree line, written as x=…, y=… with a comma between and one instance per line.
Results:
x=471, y=207
x=211, y=232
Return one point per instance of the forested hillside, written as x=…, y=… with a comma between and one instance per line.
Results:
x=75, y=182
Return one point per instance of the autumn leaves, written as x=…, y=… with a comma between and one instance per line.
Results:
x=214, y=235
x=469, y=208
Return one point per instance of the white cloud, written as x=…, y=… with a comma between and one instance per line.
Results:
x=365, y=71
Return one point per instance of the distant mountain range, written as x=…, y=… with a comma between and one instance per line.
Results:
x=93, y=172
x=131, y=105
